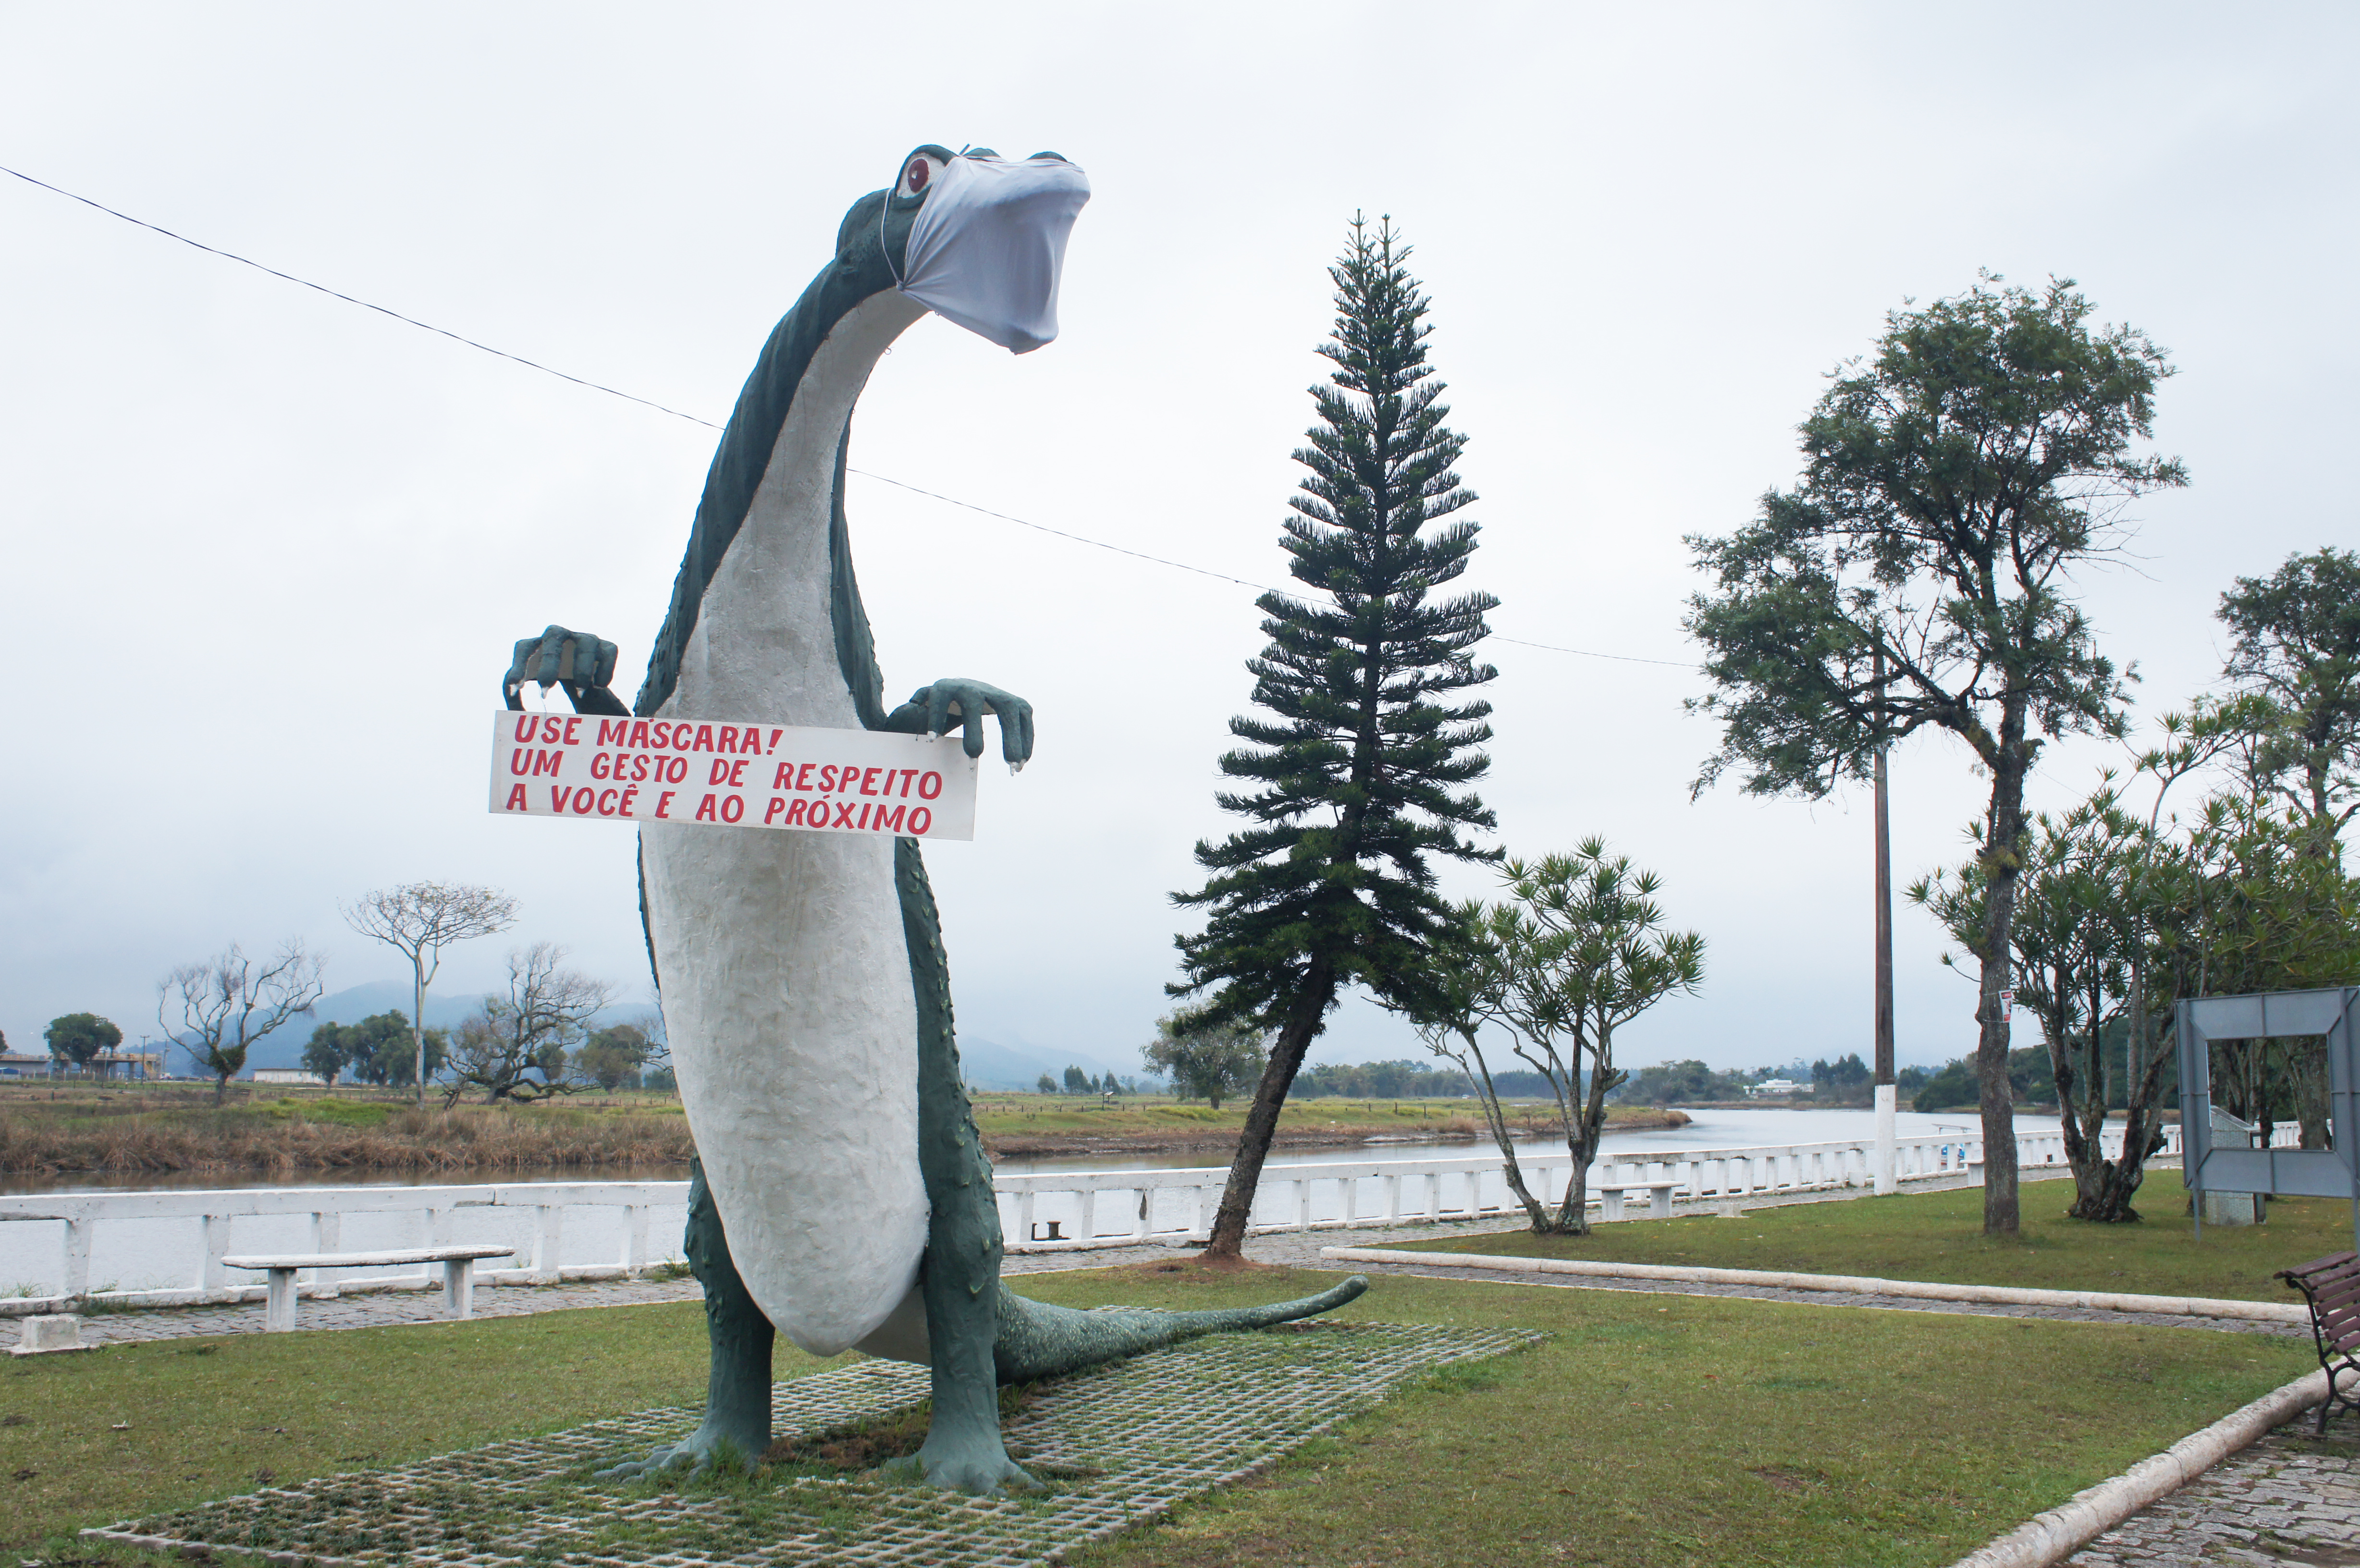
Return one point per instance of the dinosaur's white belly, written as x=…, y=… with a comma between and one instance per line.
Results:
x=786, y=974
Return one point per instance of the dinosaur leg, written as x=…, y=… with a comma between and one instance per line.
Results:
x=959, y=1281
x=738, y=1390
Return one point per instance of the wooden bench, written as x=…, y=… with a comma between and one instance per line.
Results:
x=2331, y=1286
x=458, y=1274
x=1659, y=1198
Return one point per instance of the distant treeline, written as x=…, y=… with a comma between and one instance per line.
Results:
x=1409, y=1081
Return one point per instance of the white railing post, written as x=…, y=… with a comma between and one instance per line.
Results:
x=215, y=1275
x=635, y=1239
x=77, y=1260
x=1088, y=1230
x=547, y=1233
x=1303, y=1203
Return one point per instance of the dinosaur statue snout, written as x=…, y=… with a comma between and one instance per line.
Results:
x=986, y=249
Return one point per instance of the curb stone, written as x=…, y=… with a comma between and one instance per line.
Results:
x=2055, y=1534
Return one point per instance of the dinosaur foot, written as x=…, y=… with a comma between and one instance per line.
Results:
x=980, y=1468
x=695, y=1455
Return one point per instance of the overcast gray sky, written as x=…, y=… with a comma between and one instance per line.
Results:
x=264, y=552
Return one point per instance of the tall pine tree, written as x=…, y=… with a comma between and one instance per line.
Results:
x=1355, y=779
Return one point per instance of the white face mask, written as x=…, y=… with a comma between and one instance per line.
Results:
x=986, y=249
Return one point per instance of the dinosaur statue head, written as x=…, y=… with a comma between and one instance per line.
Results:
x=977, y=238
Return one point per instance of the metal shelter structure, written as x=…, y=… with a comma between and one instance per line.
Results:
x=2332, y=1172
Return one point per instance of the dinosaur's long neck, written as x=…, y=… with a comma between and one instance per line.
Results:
x=767, y=641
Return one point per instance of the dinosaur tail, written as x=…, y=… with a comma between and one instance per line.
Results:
x=1041, y=1341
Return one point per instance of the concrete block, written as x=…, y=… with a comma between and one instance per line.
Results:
x=50, y=1333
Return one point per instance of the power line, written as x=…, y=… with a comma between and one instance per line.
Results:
x=708, y=424
x=364, y=304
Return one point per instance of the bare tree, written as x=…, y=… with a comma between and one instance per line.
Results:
x=515, y=1049
x=419, y=920
x=229, y=1001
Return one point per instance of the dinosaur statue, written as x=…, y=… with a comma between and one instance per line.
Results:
x=841, y=1194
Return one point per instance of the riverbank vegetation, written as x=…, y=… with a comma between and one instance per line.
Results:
x=1940, y=1237
x=1698, y=1431
x=286, y=1131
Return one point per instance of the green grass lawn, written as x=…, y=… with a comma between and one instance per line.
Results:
x=1644, y=1430
x=215, y=1417
x=1938, y=1235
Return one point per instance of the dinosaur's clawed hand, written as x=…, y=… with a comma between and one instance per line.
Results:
x=577, y=659
x=956, y=704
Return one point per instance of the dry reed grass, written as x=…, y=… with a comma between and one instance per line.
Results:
x=233, y=1139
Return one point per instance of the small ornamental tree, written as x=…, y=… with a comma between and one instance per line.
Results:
x=1919, y=577
x=1355, y=778
x=81, y=1038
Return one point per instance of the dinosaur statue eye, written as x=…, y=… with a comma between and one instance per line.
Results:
x=914, y=180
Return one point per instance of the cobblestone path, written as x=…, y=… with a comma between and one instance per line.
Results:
x=2291, y=1498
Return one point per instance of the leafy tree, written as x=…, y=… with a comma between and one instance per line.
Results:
x=419, y=920
x=1078, y=1081
x=230, y=1001
x=327, y=1053
x=1046, y=1086
x=378, y=1049
x=1847, y=1079
x=516, y=1047
x=1918, y=577
x=1356, y=777
x=1578, y=949
x=1380, y=1081
x=613, y=1056
x=2298, y=650
x=1204, y=1059
x=80, y=1038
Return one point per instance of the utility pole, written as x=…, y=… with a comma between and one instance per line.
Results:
x=1888, y=1180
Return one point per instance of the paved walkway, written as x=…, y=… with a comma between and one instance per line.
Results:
x=2291, y=1498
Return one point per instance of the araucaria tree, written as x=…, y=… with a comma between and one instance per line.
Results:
x=1354, y=779
x=1952, y=485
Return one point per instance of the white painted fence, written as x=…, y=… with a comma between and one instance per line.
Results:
x=162, y=1249
x=1102, y=1208
x=166, y=1248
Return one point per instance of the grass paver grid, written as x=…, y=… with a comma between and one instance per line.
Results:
x=1115, y=1445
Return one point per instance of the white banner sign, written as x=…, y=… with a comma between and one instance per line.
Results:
x=746, y=775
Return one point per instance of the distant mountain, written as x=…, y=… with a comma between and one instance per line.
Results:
x=995, y=1066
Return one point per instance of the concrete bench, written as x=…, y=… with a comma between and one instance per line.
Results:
x=1659, y=1198
x=458, y=1274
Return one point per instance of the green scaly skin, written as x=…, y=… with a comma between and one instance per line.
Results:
x=979, y=1335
